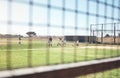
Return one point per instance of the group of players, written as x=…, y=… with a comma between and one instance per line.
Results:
x=61, y=42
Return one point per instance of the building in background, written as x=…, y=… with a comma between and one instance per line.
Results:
x=90, y=39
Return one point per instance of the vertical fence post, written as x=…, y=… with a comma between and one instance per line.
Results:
x=114, y=33
x=29, y=58
x=8, y=57
x=102, y=35
x=48, y=29
x=63, y=28
x=91, y=31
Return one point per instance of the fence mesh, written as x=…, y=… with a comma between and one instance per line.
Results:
x=49, y=32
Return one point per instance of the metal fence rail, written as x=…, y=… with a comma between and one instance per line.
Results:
x=52, y=32
x=64, y=71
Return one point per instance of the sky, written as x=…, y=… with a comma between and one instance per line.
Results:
x=20, y=15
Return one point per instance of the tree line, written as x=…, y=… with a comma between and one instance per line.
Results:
x=30, y=34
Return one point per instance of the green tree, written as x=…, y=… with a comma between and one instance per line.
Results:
x=31, y=33
x=107, y=35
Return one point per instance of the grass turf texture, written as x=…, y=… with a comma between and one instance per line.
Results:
x=40, y=55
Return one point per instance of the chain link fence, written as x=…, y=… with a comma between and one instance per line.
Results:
x=51, y=32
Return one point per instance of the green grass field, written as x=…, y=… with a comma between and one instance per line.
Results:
x=41, y=55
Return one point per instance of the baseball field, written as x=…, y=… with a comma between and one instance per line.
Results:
x=35, y=52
